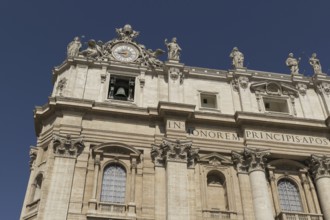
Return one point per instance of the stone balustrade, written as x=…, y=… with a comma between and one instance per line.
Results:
x=215, y=214
x=298, y=216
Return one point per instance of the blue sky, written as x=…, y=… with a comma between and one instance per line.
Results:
x=35, y=33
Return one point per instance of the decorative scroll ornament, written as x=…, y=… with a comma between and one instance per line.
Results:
x=174, y=151
x=239, y=161
x=61, y=85
x=241, y=81
x=302, y=88
x=67, y=146
x=324, y=88
x=320, y=166
x=176, y=74
x=123, y=48
x=33, y=155
x=250, y=159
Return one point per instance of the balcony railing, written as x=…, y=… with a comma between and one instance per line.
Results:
x=214, y=214
x=112, y=208
x=299, y=216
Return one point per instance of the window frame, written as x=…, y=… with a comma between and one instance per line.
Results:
x=102, y=181
x=298, y=191
x=128, y=180
x=208, y=93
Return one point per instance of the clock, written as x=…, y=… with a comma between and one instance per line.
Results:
x=125, y=52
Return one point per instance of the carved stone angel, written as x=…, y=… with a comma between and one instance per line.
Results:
x=93, y=50
x=151, y=57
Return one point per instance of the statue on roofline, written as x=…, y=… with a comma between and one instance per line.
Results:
x=237, y=58
x=174, y=50
x=74, y=47
x=315, y=63
x=293, y=64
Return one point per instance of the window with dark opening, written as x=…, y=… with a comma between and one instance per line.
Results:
x=121, y=88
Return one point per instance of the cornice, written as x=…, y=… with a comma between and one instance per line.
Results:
x=164, y=109
x=275, y=120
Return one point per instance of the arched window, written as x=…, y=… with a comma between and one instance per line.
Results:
x=113, y=184
x=289, y=196
x=216, y=191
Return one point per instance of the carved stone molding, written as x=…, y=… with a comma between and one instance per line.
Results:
x=323, y=88
x=302, y=88
x=103, y=78
x=239, y=161
x=256, y=158
x=320, y=166
x=241, y=81
x=66, y=146
x=175, y=74
x=274, y=88
x=61, y=85
x=180, y=151
x=33, y=155
x=250, y=159
x=215, y=160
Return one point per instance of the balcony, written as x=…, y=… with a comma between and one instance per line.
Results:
x=298, y=216
x=117, y=209
x=215, y=214
x=101, y=210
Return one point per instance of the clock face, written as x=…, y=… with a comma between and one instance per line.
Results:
x=125, y=52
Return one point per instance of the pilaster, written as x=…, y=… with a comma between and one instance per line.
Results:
x=176, y=157
x=66, y=149
x=175, y=81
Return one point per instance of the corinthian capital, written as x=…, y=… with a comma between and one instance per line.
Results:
x=67, y=146
x=180, y=151
x=256, y=158
x=239, y=161
x=320, y=166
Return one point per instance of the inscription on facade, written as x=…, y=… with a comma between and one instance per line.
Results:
x=176, y=125
x=257, y=135
x=286, y=138
x=211, y=134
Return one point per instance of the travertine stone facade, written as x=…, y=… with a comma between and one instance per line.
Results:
x=127, y=136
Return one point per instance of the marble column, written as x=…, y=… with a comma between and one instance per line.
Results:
x=320, y=167
x=254, y=161
x=176, y=156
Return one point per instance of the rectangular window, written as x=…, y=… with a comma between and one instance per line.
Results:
x=276, y=105
x=208, y=101
x=121, y=88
